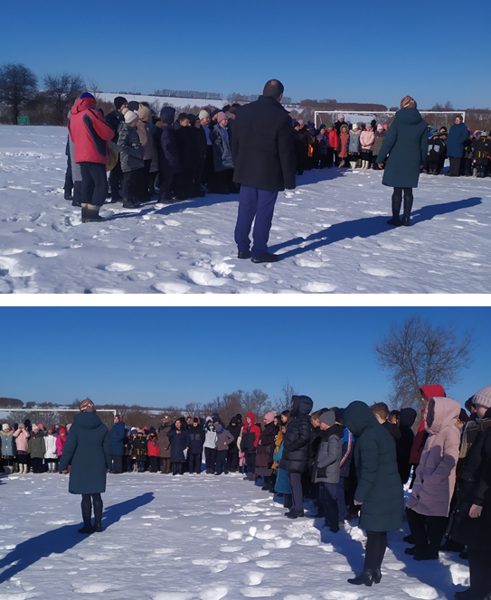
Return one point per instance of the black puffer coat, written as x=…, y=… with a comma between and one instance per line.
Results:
x=404, y=444
x=296, y=443
x=265, y=448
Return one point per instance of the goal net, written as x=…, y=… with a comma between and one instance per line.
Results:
x=433, y=118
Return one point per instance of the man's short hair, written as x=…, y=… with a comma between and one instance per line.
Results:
x=381, y=409
x=273, y=88
x=182, y=116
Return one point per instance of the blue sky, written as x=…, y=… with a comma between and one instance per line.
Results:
x=159, y=356
x=352, y=51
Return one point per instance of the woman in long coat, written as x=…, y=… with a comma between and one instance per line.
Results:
x=88, y=450
x=265, y=450
x=406, y=146
x=379, y=489
x=179, y=438
x=428, y=507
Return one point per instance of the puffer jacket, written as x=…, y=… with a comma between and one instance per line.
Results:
x=89, y=133
x=130, y=148
x=250, y=435
x=435, y=476
x=50, y=441
x=222, y=152
x=265, y=448
x=366, y=140
x=22, y=436
x=7, y=444
x=296, y=444
x=354, y=144
x=327, y=461
x=37, y=446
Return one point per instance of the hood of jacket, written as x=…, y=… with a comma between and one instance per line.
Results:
x=358, y=416
x=252, y=418
x=441, y=413
x=167, y=115
x=407, y=416
x=433, y=390
x=409, y=116
x=81, y=105
x=301, y=405
x=219, y=428
x=87, y=420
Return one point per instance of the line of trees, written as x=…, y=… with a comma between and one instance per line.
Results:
x=188, y=94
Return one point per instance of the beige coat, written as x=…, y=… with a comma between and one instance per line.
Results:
x=435, y=476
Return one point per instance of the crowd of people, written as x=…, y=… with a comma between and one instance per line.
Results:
x=353, y=462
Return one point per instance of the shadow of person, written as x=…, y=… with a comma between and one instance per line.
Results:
x=366, y=227
x=58, y=541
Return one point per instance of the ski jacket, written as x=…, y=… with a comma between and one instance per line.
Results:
x=354, y=145
x=222, y=153
x=153, y=446
x=328, y=459
x=60, y=444
x=296, y=443
x=366, y=140
x=50, y=441
x=89, y=133
x=333, y=138
x=7, y=444
x=22, y=436
x=130, y=148
x=250, y=435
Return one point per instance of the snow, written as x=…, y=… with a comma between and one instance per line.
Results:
x=192, y=538
x=161, y=100
x=331, y=233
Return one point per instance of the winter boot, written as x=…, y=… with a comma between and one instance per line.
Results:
x=86, y=514
x=365, y=578
x=287, y=500
x=98, y=506
x=92, y=214
x=85, y=212
x=396, y=208
x=377, y=575
x=353, y=164
x=267, y=483
x=408, y=204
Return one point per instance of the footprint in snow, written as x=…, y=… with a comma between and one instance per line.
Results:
x=118, y=267
x=171, y=288
x=313, y=264
x=270, y=564
x=210, y=242
x=253, y=578
x=45, y=253
x=377, y=271
x=253, y=592
x=420, y=590
x=93, y=588
x=318, y=288
x=205, y=278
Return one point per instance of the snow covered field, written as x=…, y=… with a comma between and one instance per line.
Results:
x=331, y=233
x=192, y=538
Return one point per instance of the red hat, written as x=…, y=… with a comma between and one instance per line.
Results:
x=432, y=391
x=62, y=431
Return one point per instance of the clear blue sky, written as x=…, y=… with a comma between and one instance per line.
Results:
x=353, y=51
x=159, y=356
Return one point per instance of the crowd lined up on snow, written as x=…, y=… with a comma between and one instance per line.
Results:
x=353, y=461
x=171, y=158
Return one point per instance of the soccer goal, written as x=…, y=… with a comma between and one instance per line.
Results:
x=434, y=118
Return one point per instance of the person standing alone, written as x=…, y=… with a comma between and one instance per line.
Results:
x=263, y=150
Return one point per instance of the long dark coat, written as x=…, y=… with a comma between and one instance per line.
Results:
x=179, y=442
x=265, y=447
x=406, y=145
x=457, y=135
x=379, y=485
x=404, y=444
x=263, y=146
x=88, y=450
x=296, y=443
x=164, y=442
x=117, y=434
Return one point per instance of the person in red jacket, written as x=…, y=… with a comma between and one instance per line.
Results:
x=332, y=151
x=90, y=135
x=153, y=451
x=248, y=444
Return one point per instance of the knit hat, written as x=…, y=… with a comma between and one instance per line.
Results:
x=130, y=116
x=119, y=101
x=133, y=105
x=41, y=426
x=215, y=417
x=408, y=102
x=5, y=427
x=483, y=397
x=330, y=124
x=144, y=112
x=355, y=126
x=87, y=405
x=220, y=116
x=329, y=418
x=203, y=114
x=88, y=96
x=62, y=431
x=433, y=391
x=269, y=416
x=35, y=428
x=380, y=126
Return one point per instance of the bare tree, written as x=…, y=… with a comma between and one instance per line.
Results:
x=255, y=402
x=18, y=85
x=284, y=401
x=61, y=91
x=416, y=353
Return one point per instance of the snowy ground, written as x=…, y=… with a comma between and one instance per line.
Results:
x=331, y=233
x=192, y=538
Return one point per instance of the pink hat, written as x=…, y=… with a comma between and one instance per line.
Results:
x=269, y=416
x=220, y=116
x=40, y=425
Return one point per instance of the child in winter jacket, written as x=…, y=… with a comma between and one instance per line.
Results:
x=131, y=156
x=354, y=146
x=196, y=441
x=210, y=446
x=22, y=436
x=153, y=451
x=282, y=483
x=333, y=149
x=51, y=454
x=367, y=138
x=140, y=451
x=37, y=449
x=435, y=150
x=224, y=438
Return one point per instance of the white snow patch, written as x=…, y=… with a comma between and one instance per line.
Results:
x=420, y=590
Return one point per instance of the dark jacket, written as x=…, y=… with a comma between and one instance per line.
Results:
x=406, y=145
x=250, y=435
x=265, y=448
x=179, y=442
x=166, y=142
x=130, y=148
x=187, y=147
x=379, y=486
x=457, y=135
x=296, y=443
x=37, y=446
x=436, y=149
x=263, y=146
x=393, y=430
x=113, y=119
x=117, y=436
x=222, y=152
x=482, y=150
x=407, y=416
x=88, y=450
x=196, y=439
x=164, y=442
x=235, y=431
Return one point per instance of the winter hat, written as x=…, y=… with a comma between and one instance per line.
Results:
x=369, y=125
x=62, y=431
x=269, y=416
x=203, y=114
x=87, y=96
x=220, y=116
x=355, y=126
x=380, y=127
x=35, y=428
x=329, y=418
x=192, y=119
x=483, y=397
x=322, y=126
x=330, y=125
x=5, y=427
x=41, y=426
x=133, y=105
x=87, y=405
x=119, y=101
x=408, y=102
x=144, y=112
x=130, y=116
x=215, y=417
x=338, y=413
x=433, y=391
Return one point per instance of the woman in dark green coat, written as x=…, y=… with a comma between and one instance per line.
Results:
x=379, y=488
x=88, y=450
x=406, y=146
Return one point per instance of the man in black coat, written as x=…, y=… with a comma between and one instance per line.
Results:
x=263, y=150
x=114, y=119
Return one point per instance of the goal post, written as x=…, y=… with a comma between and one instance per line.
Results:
x=434, y=118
